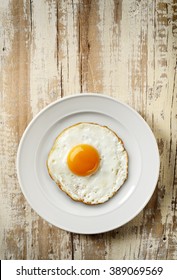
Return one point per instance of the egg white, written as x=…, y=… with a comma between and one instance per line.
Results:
x=111, y=174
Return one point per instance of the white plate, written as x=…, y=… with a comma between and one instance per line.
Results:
x=54, y=205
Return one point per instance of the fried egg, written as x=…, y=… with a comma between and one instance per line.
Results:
x=88, y=162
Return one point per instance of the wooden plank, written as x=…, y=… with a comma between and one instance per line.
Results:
x=13, y=121
x=45, y=88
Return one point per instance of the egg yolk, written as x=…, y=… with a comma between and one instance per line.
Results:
x=83, y=160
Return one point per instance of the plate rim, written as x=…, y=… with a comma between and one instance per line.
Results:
x=81, y=95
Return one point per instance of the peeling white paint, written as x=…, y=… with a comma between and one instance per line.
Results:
x=43, y=65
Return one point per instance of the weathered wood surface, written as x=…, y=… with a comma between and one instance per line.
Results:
x=126, y=49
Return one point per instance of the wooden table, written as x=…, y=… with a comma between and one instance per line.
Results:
x=125, y=49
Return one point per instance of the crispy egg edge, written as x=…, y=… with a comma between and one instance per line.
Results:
x=59, y=183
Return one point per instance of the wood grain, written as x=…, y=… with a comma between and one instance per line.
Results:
x=126, y=49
